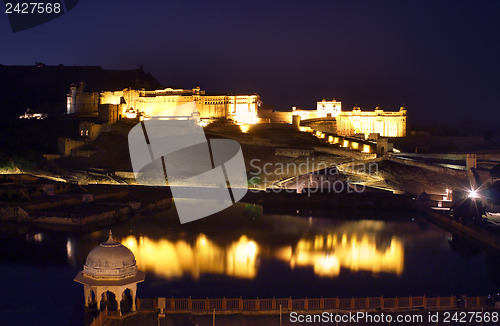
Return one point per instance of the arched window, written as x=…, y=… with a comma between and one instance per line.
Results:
x=92, y=302
x=126, y=301
x=108, y=299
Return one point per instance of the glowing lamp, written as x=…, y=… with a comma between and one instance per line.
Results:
x=473, y=194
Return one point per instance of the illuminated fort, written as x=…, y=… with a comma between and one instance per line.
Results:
x=345, y=123
x=387, y=124
x=355, y=122
x=130, y=103
x=112, y=106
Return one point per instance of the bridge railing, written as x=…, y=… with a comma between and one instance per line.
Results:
x=146, y=304
x=314, y=304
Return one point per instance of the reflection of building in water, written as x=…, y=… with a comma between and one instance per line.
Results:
x=174, y=259
x=327, y=254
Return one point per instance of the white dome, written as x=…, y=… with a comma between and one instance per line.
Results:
x=111, y=260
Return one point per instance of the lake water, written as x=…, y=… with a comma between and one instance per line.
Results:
x=243, y=252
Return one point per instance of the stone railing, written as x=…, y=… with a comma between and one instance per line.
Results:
x=188, y=305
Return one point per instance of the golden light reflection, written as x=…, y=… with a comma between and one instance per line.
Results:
x=241, y=257
x=174, y=259
x=244, y=128
x=327, y=254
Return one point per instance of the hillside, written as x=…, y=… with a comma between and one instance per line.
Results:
x=44, y=88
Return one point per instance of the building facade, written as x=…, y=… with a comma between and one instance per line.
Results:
x=326, y=109
x=356, y=122
x=329, y=114
x=112, y=106
x=384, y=123
x=130, y=103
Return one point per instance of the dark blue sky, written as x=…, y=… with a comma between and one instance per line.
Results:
x=440, y=58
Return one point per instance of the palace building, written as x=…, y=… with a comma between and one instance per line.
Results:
x=112, y=106
x=130, y=103
x=345, y=123
x=384, y=123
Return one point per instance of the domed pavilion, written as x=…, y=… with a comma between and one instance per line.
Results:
x=110, y=277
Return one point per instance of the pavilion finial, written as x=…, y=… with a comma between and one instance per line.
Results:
x=110, y=241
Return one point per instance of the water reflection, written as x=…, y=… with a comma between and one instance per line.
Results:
x=174, y=259
x=70, y=251
x=326, y=254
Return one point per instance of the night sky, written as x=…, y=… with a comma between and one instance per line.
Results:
x=440, y=58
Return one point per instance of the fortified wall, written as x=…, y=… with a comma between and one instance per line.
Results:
x=386, y=124
x=130, y=103
x=112, y=106
x=344, y=123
